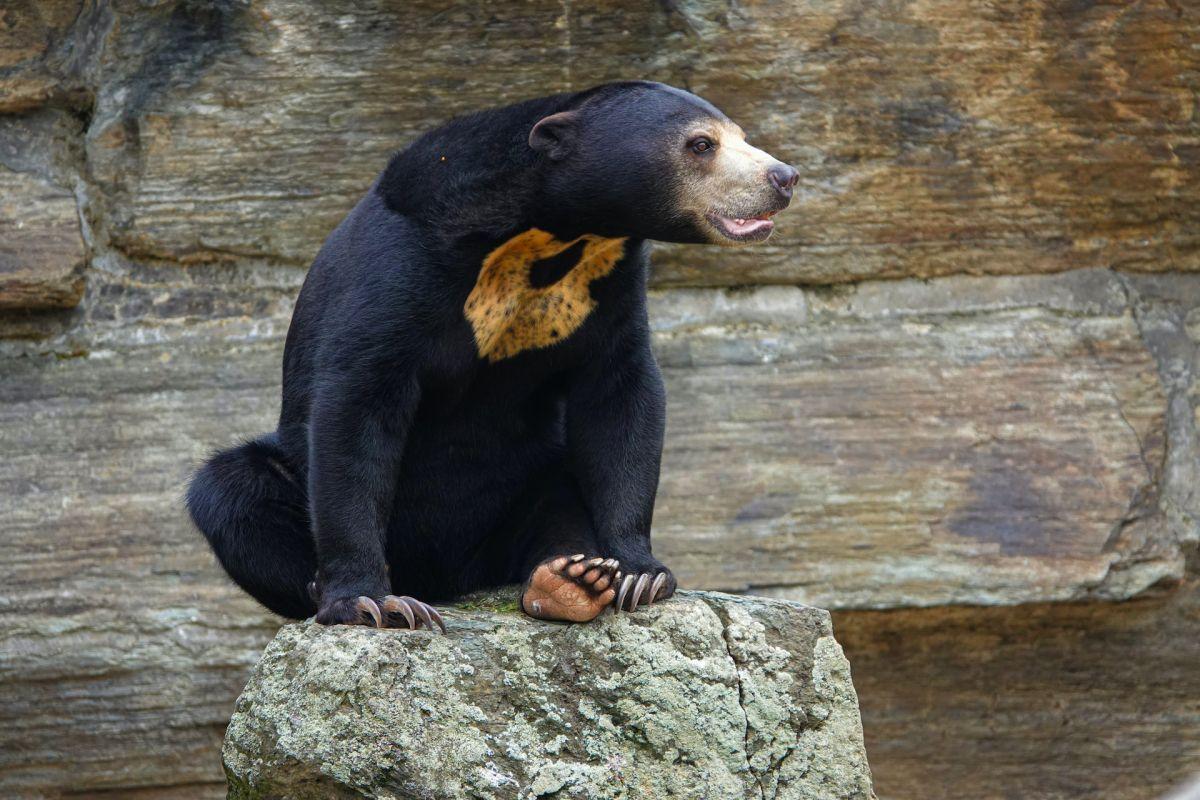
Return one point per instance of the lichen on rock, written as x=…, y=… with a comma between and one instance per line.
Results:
x=704, y=696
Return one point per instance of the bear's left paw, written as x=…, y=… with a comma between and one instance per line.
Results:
x=570, y=588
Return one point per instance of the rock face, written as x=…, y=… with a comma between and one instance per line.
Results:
x=816, y=440
x=41, y=254
x=42, y=248
x=1059, y=701
x=705, y=696
x=933, y=138
x=984, y=444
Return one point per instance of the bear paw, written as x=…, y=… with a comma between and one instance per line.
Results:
x=570, y=588
x=389, y=611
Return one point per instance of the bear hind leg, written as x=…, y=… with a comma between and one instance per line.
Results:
x=565, y=575
x=569, y=574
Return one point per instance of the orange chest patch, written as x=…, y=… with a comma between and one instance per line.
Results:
x=509, y=313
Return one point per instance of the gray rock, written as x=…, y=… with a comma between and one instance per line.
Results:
x=704, y=696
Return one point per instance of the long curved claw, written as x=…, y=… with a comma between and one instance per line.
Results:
x=433, y=612
x=367, y=606
x=396, y=605
x=624, y=590
x=642, y=582
x=422, y=611
x=419, y=609
x=659, y=581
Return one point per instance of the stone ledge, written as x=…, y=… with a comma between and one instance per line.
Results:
x=706, y=695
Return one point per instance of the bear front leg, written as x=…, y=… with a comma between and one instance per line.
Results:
x=616, y=416
x=358, y=432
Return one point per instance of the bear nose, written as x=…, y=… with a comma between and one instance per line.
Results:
x=783, y=178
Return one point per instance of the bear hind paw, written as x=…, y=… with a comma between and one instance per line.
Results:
x=570, y=588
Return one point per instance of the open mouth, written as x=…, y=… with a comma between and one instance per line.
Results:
x=743, y=229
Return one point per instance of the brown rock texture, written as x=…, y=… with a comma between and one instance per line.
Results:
x=1048, y=701
x=1009, y=419
x=881, y=457
x=933, y=137
x=114, y=602
x=42, y=237
x=41, y=253
x=38, y=41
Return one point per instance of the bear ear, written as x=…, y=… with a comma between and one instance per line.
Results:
x=554, y=135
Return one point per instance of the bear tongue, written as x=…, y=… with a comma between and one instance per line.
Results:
x=741, y=226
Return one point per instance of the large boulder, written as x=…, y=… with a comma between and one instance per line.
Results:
x=703, y=696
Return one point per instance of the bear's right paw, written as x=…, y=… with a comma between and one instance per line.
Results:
x=389, y=611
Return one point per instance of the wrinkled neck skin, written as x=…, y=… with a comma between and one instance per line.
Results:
x=475, y=183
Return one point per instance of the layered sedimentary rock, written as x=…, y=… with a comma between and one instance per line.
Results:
x=1054, y=701
x=41, y=252
x=763, y=386
x=42, y=238
x=932, y=138
x=884, y=449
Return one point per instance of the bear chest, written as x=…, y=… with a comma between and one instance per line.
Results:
x=533, y=291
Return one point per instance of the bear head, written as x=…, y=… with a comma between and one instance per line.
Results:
x=651, y=161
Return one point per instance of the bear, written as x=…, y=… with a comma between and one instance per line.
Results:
x=469, y=394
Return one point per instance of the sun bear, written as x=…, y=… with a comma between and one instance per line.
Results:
x=469, y=393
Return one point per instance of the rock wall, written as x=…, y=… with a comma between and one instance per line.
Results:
x=1009, y=419
x=1056, y=701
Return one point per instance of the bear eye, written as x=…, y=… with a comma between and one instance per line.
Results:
x=701, y=144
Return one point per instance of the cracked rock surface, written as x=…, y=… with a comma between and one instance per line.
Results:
x=704, y=696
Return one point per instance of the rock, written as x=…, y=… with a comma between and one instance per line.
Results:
x=932, y=138
x=1059, y=701
x=705, y=696
x=42, y=250
x=123, y=646
x=965, y=441
x=1188, y=791
x=39, y=51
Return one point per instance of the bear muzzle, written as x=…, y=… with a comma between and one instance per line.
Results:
x=757, y=225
